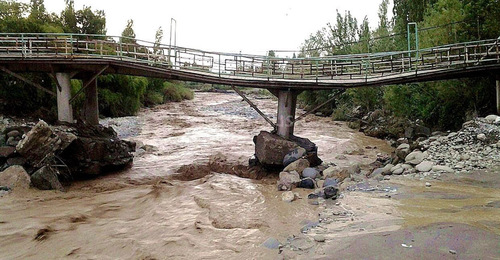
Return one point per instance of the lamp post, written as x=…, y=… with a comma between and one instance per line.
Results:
x=172, y=20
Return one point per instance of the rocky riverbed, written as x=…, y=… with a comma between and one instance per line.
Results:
x=190, y=194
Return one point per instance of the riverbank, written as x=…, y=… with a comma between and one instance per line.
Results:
x=144, y=213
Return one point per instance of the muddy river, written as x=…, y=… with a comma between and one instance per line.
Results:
x=206, y=213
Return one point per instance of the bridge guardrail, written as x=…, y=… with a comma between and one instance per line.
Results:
x=341, y=67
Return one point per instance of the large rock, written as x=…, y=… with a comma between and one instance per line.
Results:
x=310, y=173
x=294, y=155
x=271, y=149
x=288, y=180
x=15, y=177
x=46, y=178
x=307, y=184
x=7, y=151
x=97, y=150
x=425, y=166
x=341, y=173
x=491, y=119
x=402, y=151
x=297, y=166
x=39, y=144
x=415, y=157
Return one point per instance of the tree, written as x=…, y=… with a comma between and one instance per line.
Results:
x=38, y=11
x=69, y=19
x=91, y=22
x=383, y=42
x=158, y=39
x=128, y=34
x=365, y=36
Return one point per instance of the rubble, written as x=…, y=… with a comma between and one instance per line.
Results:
x=50, y=154
x=476, y=146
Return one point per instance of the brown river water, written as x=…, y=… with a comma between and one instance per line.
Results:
x=205, y=213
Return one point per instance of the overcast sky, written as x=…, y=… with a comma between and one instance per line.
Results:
x=251, y=27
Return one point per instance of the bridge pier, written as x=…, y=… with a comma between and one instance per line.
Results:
x=498, y=95
x=64, y=109
x=287, y=103
x=91, y=105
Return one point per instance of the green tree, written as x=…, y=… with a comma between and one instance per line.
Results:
x=158, y=39
x=69, y=19
x=128, y=33
x=384, y=42
x=91, y=22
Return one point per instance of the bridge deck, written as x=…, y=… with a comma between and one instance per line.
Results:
x=90, y=53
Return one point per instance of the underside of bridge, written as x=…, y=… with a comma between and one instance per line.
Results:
x=286, y=108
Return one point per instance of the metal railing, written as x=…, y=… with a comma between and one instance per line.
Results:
x=340, y=68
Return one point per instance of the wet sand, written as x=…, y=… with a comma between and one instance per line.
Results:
x=144, y=213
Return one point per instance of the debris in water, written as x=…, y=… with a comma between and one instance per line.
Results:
x=406, y=246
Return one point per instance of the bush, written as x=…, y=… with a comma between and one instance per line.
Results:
x=176, y=92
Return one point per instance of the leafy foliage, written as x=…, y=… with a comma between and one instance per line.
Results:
x=118, y=95
x=443, y=104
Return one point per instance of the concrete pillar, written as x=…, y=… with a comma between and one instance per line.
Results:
x=91, y=105
x=498, y=96
x=64, y=109
x=287, y=102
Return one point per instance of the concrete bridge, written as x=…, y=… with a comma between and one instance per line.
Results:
x=67, y=56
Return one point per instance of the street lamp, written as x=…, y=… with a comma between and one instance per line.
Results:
x=172, y=20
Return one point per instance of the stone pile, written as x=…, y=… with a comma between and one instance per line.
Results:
x=476, y=146
x=41, y=155
x=325, y=181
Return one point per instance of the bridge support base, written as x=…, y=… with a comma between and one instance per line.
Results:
x=64, y=109
x=498, y=96
x=91, y=105
x=287, y=102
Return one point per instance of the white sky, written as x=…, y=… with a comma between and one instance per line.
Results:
x=252, y=27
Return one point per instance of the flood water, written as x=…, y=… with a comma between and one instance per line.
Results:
x=144, y=213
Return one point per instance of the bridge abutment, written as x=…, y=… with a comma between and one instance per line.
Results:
x=287, y=103
x=64, y=109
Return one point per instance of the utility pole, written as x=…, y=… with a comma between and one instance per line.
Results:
x=172, y=20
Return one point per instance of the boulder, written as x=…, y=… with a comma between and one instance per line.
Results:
x=402, y=151
x=39, y=144
x=97, y=150
x=288, y=196
x=330, y=182
x=491, y=119
x=422, y=131
x=331, y=192
x=297, y=166
x=46, y=178
x=271, y=149
x=307, y=184
x=386, y=170
x=397, y=170
x=13, y=133
x=288, y=180
x=16, y=161
x=15, y=177
x=481, y=137
x=7, y=151
x=425, y=166
x=415, y=157
x=294, y=155
x=310, y=173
